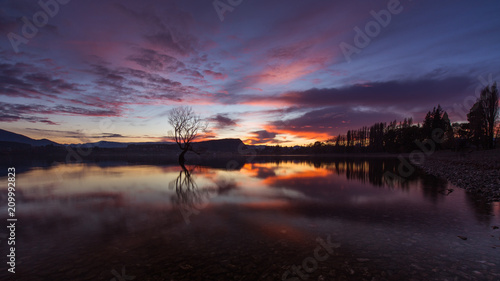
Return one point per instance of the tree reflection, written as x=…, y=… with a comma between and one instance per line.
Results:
x=363, y=170
x=434, y=187
x=190, y=198
x=483, y=210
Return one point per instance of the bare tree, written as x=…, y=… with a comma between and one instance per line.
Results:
x=187, y=126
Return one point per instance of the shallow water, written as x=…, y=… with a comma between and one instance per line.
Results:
x=264, y=221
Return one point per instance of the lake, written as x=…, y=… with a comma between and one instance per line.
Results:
x=273, y=219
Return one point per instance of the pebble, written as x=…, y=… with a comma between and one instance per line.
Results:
x=477, y=172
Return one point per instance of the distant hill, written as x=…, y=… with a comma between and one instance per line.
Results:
x=203, y=147
x=102, y=144
x=224, y=145
x=112, y=144
x=6, y=136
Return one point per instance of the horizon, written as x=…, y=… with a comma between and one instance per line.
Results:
x=264, y=72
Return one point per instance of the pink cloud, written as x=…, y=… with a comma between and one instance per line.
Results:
x=215, y=75
x=252, y=88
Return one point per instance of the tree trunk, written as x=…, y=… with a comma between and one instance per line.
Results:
x=181, y=159
x=491, y=127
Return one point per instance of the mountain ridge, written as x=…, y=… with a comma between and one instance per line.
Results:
x=11, y=137
x=8, y=136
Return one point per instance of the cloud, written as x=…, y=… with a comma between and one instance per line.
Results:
x=172, y=31
x=215, y=75
x=122, y=88
x=165, y=39
x=18, y=112
x=82, y=135
x=9, y=117
x=423, y=92
x=155, y=61
x=288, y=52
x=223, y=121
x=31, y=81
x=262, y=137
x=191, y=73
x=322, y=124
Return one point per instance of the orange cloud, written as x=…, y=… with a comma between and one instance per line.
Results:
x=288, y=72
x=306, y=134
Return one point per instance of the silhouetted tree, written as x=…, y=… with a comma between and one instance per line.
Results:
x=349, y=138
x=438, y=119
x=427, y=125
x=377, y=137
x=187, y=125
x=390, y=137
x=477, y=124
x=483, y=116
x=489, y=101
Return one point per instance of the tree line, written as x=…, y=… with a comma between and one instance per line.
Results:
x=480, y=132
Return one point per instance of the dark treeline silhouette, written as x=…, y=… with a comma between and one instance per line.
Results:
x=482, y=117
x=404, y=136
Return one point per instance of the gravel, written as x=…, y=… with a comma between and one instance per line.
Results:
x=477, y=172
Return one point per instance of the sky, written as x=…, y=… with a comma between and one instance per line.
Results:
x=268, y=72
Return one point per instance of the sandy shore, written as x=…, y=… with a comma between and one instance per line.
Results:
x=477, y=172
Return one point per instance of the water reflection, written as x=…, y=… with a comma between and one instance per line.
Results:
x=190, y=198
x=483, y=209
x=364, y=170
x=263, y=214
x=196, y=186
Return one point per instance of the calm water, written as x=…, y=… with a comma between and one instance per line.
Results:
x=265, y=221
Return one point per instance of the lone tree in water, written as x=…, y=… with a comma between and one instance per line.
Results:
x=187, y=125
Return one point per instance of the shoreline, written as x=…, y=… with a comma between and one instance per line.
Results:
x=477, y=172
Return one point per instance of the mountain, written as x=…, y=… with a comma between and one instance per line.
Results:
x=102, y=144
x=223, y=145
x=113, y=144
x=6, y=136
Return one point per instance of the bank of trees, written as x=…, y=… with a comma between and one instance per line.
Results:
x=481, y=132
